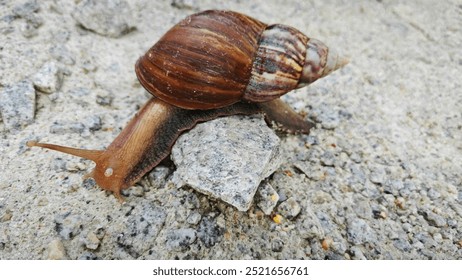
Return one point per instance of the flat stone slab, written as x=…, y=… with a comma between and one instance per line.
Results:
x=227, y=158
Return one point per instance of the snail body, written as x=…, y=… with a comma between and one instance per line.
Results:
x=209, y=65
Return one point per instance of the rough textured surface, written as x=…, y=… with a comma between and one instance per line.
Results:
x=17, y=105
x=379, y=178
x=105, y=17
x=227, y=158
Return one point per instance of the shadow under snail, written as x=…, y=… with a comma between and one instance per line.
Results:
x=209, y=65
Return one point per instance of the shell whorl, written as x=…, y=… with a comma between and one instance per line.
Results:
x=278, y=64
x=287, y=59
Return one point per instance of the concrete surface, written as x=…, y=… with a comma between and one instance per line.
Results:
x=379, y=178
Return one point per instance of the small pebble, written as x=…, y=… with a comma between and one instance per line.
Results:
x=88, y=256
x=104, y=98
x=327, y=243
x=68, y=225
x=135, y=190
x=43, y=201
x=393, y=186
x=208, y=232
x=268, y=198
x=56, y=250
x=377, y=174
x=310, y=226
x=106, y=17
x=91, y=241
x=62, y=127
x=277, y=245
x=75, y=166
x=49, y=78
x=17, y=105
x=158, y=176
x=359, y=232
x=194, y=218
x=26, y=8
x=326, y=115
x=181, y=238
x=185, y=4
x=277, y=219
x=435, y=219
x=327, y=158
x=7, y=215
x=92, y=122
x=289, y=208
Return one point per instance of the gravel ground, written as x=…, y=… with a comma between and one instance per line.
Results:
x=380, y=177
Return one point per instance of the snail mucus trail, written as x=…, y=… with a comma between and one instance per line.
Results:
x=209, y=65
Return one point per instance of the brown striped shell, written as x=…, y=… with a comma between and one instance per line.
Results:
x=213, y=59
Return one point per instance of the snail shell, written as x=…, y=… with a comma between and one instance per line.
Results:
x=216, y=58
x=211, y=64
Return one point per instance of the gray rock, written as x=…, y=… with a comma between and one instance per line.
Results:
x=289, y=208
x=49, y=78
x=357, y=253
x=209, y=232
x=227, y=158
x=158, y=176
x=393, y=186
x=193, y=218
x=426, y=239
x=26, y=8
x=4, y=238
x=309, y=224
x=267, y=198
x=56, y=250
x=377, y=174
x=359, y=232
x=5, y=215
x=180, y=239
x=17, y=105
x=68, y=225
x=87, y=256
x=62, y=127
x=27, y=11
x=79, y=92
x=358, y=175
x=363, y=209
x=312, y=170
x=277, y=245
x=326, y=115
x=93, y=122
x=89, y=123
x=311, y=140
x=185, y=4
x=141, y=227
x=107, y=17
x=327, y=158
x=135, y=190
x=434, y=219
x=91, y=241
x=104, y=98
x=191, y=201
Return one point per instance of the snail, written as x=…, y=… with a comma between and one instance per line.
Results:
x=211, y=64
